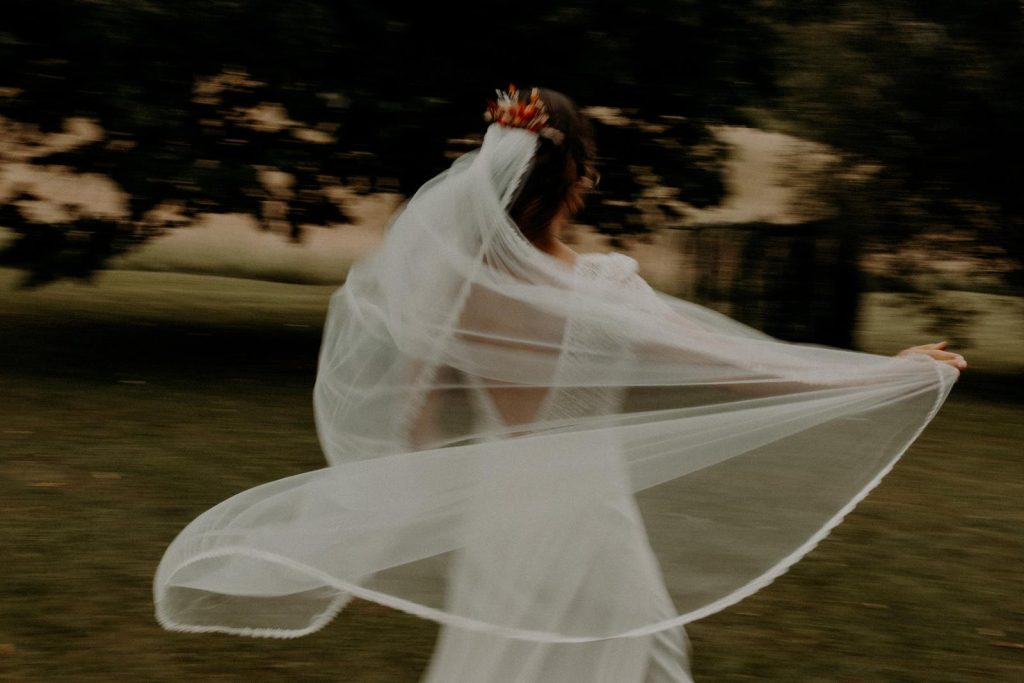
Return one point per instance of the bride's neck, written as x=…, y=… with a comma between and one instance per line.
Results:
x=551, y=242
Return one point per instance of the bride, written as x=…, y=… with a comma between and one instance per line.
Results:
x=539, y=452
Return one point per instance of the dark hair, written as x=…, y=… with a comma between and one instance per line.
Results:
x=557, y=168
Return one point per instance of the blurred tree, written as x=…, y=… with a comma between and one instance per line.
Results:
x=197, y=97
x=921, y=104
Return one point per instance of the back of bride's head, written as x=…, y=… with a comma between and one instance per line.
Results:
x=562, y=167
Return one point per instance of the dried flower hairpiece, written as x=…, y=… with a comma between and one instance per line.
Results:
x=510, y=111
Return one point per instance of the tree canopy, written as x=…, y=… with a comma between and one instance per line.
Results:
x=196, y=98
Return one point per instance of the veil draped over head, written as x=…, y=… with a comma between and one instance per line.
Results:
x=545, y=452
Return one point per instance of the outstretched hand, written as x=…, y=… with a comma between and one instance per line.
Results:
x=939, y=353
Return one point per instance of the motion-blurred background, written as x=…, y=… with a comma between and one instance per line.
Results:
x=184, y=182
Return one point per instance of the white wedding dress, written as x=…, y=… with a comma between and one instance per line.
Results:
x=556, y=464
x=607, y=532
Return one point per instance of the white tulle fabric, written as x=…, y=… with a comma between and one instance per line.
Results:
x=537, y=455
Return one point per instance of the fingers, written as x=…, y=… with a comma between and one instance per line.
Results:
x=954, y=359
x=936, y=351
x=948, y=357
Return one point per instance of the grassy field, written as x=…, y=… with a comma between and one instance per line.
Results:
x=134, y=405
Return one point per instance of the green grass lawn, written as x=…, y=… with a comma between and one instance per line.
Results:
x=132, y=406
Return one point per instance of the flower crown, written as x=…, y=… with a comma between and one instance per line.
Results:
x=511, y=112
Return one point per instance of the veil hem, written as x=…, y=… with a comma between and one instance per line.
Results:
x=348, y=589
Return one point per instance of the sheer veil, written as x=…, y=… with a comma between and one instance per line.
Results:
x=544, y=452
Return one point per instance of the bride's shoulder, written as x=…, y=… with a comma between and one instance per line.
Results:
x=613, y=265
